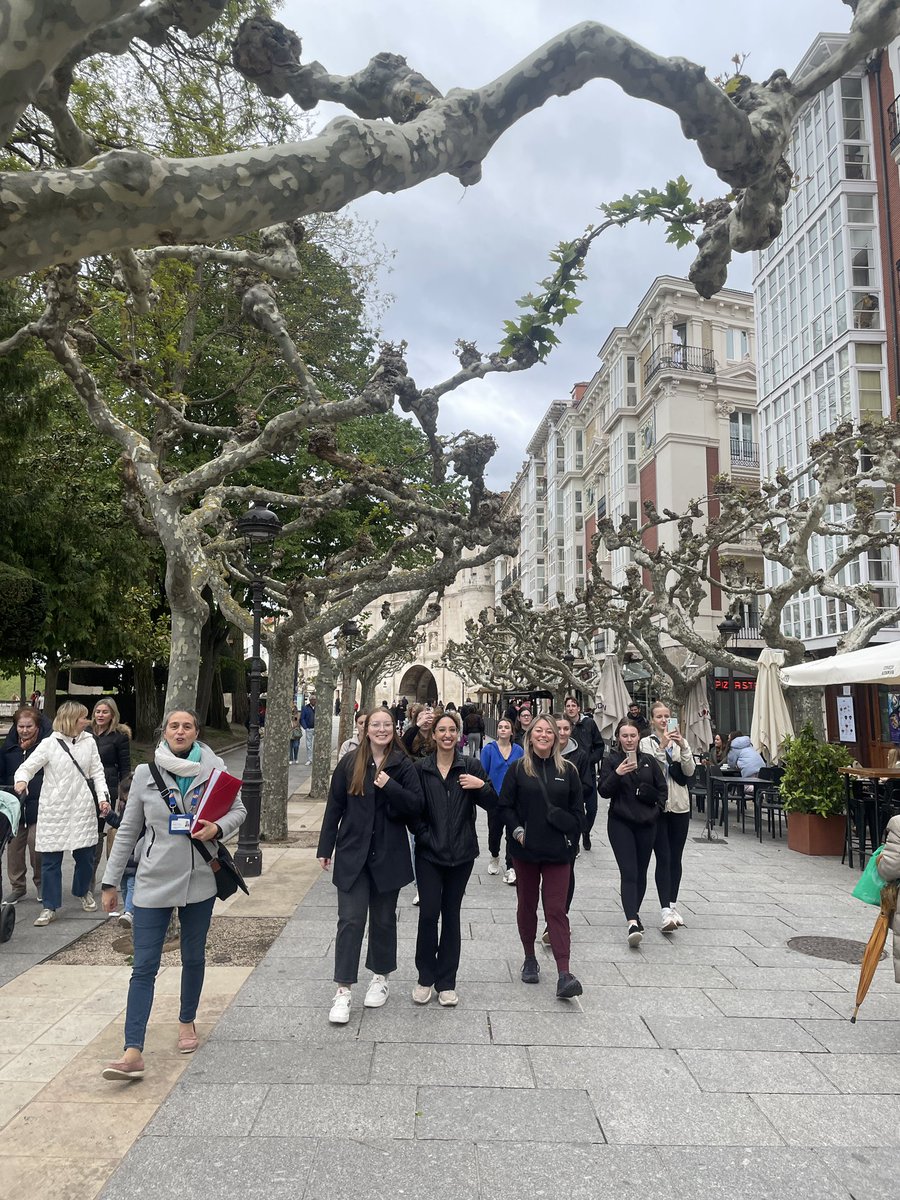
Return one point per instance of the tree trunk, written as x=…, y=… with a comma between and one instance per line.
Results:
x=23, y=684
x=184, y=658
x=275, y=792
x=368, y=683
x=807, y=707
x=240, y=697
x=212, y=645
x=218, y=716
x=51, y=681
x=348, y=695
x=321, y=768
x=146, y=702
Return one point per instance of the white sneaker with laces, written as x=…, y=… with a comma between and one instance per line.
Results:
x=510, y=876
x=679, y=919
x=340, y=1007
x=46, y=917
x=88, y=903
x=667, y=922
x=377, y=992
x=494, y=866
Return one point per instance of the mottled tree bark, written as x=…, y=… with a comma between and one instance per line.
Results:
x=148, y=712
x=275, y=794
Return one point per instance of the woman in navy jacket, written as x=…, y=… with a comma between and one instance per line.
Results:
x=446, y=849
x=374, y=793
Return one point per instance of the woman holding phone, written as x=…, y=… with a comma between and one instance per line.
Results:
x=636, y=789
x=676, y=761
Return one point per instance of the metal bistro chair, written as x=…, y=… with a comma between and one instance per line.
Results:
x=768, y=799
x=698, y=787
x=862, y=819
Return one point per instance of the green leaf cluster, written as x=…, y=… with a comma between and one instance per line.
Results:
x=674, y=206
x=811, y=783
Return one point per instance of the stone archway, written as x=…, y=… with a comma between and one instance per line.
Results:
x=418, y=685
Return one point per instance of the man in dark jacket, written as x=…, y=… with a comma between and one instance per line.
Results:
x=590, y=741
x=308, y=725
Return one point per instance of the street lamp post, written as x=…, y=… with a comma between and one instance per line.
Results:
x=259, y=527
x=728, y=628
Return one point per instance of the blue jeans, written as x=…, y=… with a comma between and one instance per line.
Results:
x=51, y=875
x=295, y=750
x=149, y=932
x=128, y=893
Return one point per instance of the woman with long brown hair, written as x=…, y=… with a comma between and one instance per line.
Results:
x=374, y=793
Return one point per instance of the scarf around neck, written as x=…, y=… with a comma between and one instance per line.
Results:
x=184, y=769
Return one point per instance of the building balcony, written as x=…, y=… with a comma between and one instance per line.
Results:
x=894, y=120
x=673, y=356
x=744, y=456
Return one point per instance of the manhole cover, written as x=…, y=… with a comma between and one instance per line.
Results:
x=713, y=841
x=839, y=949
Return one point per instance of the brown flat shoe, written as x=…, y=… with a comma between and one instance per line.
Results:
x=124, y=1069
x=188, y=1042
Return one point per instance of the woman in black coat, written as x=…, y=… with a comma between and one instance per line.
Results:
x=543, y=808
x=636, y=788
x=374, y=794
x=446, y=849
x=28, y=729
x=114, y=746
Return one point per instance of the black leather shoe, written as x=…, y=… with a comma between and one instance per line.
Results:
x=531, y=971
x=567, y=987
x=586, y=841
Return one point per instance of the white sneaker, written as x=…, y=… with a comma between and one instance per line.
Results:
x=448, y=998
x=667, y=922
x=510, y=876
x=494, y=866
x=88, y=903
x=126, y=920
x=421, y=994
x=340, y=1007
x=635, y=937
x=46, y=917
x=416, y=900
x=679, y=920
x=377, y=992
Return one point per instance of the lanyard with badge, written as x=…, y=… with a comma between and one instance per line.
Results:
x=181, y=822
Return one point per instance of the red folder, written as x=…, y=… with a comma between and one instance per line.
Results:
x=218, y=796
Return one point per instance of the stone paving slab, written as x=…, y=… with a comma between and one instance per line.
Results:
x=464, y=1066
x=753, y=1172
x=826, y=1120
x=576, y=1172
x=781, y=1003
x=438, y=1170
x=871, y=1074
x=639, y=1118
x=506, y=1115
x=746, y=1071
x=734, y=1033
x=610, y=1069
x=867, y=1174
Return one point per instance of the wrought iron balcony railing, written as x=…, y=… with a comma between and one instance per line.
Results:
x=673, y=356
x=894, y=120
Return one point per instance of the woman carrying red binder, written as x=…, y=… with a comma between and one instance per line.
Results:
x=171, y=873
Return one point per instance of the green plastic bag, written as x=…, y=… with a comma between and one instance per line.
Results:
x=870, y=882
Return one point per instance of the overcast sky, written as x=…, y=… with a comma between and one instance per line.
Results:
x=463, y=256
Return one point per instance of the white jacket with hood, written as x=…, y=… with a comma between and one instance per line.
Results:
x=679, y=799
x=67, y=816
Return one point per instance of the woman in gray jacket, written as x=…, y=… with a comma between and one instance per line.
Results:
x=171, y=874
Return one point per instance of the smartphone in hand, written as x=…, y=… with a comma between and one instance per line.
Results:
x=631, y=756
x=672, y=725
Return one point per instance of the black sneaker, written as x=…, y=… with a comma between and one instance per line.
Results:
x=635, y=934
x=586, y=841
x=531, y=971
x=640, y=925
x=567, y=987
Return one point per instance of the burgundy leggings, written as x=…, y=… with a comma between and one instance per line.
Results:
x=551, y=882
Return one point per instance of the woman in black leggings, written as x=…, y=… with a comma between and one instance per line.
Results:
x=636, y=789
x=676, y=762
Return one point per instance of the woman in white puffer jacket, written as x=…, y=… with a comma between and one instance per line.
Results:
x=67, y=818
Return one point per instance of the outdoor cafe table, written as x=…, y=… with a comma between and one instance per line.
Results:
x=718, y=792
x=878, y=778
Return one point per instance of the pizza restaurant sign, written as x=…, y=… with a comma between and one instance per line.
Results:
x=740, y=685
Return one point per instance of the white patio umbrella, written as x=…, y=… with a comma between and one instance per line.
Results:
x=615, y=696
x=695, y=723
x=874, y=664
x=771, y=722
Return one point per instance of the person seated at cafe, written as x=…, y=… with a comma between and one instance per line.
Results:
x=744, y=755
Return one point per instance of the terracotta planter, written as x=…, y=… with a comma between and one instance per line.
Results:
x=808, y=833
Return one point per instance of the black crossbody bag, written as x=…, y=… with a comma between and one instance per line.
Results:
x=225, y=870
x=92, y=787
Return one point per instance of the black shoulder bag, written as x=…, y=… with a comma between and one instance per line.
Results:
x=552, y=809
x=92, y=787
x=225, y=870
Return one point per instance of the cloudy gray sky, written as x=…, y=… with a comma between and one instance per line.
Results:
x=463, y=257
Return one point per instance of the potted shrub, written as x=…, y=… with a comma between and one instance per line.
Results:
x=812, y=793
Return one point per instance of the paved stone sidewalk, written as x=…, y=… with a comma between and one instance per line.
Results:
x=715, y=1063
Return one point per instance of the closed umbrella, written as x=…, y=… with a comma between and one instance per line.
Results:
x=696, y=725
x=615, y=696
x=771, y=722
x=873, y=951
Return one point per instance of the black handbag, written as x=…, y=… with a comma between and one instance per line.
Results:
x=225, y=870
x=92, y=787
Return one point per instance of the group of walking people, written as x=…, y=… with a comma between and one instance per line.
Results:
x=404, y=810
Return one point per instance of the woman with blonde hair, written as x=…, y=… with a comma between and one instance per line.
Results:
x=113, y=740
x=69, y=811
x=543, y=808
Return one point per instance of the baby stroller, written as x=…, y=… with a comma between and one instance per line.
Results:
x=10, y=814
